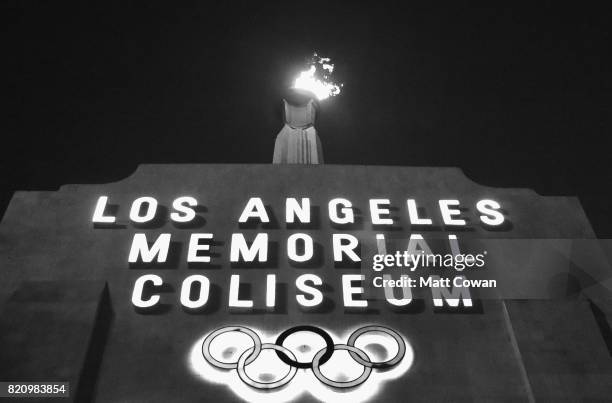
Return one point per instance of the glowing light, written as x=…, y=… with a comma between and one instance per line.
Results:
x=340, y=367
x=317, y=79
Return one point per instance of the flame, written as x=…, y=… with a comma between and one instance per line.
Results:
x=317, y=79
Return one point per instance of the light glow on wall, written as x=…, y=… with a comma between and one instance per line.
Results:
x=304, y=345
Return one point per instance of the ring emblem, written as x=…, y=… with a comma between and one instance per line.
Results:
x=367, y=370
x=265, y=385
x=220, y=331
x=328, y=351
x=367, y=363
x=250, y=354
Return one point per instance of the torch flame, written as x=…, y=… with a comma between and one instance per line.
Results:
x=317, y=79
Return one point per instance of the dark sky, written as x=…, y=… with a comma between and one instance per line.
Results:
x=514, y=96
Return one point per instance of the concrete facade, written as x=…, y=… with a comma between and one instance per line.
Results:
x=56, y=264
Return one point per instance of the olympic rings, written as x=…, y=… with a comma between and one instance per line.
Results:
x=289, y=358
x=367, y=370
x=329, y=349
x=265, y=385
x=229, y=365
x=386, y=364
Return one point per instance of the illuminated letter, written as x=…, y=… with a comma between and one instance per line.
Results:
x=140, y=248
x=416, y=243
x=389, y=294
x=300, y=284
x=234, y=301
x=454, y=244
x=490, y=210
x=413, y=214
x=137, y=205
x=254, y=209
x=376, y=211
x=451, y=297
x=186, y=301
x=347, y=211
x=448, y=213
x=98, y=215
x=293, y=209
x=271, y=290
x=181, y=205
x=348, y=291
x=138, y=288
x=347, y=249
x=381, y=244
x=195, y=247
x=258, y=248
x=292, y=250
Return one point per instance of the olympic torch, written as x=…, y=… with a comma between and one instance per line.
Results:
x=298, y=142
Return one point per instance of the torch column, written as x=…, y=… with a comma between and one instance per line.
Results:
x=298, y=142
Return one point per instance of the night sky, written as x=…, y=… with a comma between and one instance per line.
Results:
x=517, y=97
